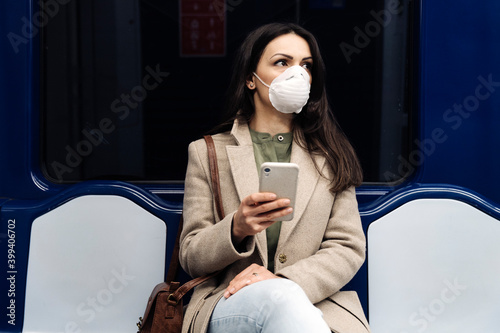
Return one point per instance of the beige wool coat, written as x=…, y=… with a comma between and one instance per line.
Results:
x=320, y=249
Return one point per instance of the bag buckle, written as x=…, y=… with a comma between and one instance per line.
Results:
x=171, y=299
x=139, y=324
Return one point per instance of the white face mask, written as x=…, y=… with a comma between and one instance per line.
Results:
x=289, y=91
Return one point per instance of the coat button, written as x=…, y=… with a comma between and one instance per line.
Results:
x=282, y=258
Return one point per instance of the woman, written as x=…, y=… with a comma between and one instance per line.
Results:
x=275, y=276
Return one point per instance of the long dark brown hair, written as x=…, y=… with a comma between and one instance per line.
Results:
x=315, y=128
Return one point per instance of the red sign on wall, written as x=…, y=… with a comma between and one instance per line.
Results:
x=202, y=27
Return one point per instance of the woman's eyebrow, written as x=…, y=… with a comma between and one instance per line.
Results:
x=289, y=56
x=283, y=55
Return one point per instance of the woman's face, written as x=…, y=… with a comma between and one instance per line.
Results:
x=280, y=54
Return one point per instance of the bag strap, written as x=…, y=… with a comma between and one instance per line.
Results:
x=214, y=175
x=177, y=295
x=174, y=259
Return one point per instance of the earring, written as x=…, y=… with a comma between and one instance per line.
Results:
x=251, y=84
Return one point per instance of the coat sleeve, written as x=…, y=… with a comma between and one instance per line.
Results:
x=206, y=244
x=341, y=253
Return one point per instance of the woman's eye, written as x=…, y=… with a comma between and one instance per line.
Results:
x=280, y=63
x=307, y=65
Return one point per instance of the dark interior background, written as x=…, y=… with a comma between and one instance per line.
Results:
x=96, y=53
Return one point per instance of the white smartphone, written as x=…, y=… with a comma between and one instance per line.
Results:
x=281, y=179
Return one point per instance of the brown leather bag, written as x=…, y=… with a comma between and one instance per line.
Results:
x=164, y=311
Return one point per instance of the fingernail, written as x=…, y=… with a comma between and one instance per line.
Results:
x=286, y=201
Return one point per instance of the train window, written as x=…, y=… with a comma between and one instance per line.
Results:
x=126, y=85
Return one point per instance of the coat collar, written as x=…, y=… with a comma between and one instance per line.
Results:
x=246, y=178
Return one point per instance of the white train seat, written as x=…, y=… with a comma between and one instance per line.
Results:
x=433, y=266
x=92, y=263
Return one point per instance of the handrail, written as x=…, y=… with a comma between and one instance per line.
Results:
x=136, y=194
x=386, y=204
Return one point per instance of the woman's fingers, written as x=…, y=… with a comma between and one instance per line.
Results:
x=248, y=276
x=264, y=206
x=257, y=212
x=259, y=197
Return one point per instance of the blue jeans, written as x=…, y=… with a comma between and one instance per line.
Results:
x=269, y=306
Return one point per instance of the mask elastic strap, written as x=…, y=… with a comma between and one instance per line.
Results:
x=260, y=79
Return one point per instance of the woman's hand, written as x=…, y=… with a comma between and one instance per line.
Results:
x=249, y=275
x=255, y=214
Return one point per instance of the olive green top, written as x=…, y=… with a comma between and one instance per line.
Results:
x=269, y=148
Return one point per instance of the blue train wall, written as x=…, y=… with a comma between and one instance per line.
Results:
x=458, y=110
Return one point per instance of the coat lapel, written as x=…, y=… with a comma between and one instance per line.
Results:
x=242, y=161
x=308, y=178
x=245, y=175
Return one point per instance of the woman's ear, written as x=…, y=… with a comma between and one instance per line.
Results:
x=250, y=84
